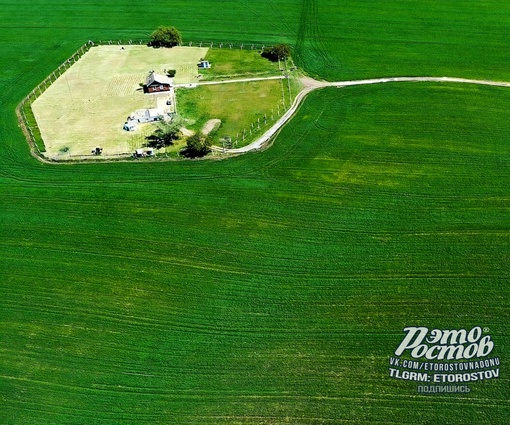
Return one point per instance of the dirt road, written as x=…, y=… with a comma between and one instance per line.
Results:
x=311, y=85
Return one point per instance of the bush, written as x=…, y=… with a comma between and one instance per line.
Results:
x=275, y=53
x=165, y=135
x=197, y=146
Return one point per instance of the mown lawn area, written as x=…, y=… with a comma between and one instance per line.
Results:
x=236, y=63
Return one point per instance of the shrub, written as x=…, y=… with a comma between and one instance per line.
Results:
x=197, y=146
x=275, y=53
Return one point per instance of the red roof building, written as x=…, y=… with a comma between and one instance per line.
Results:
x=157, y=83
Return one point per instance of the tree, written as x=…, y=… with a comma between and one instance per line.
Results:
x=278, y=52
x=165, y=37
x=197, y=146
x=165, y=134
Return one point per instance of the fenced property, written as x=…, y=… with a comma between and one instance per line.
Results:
x=71, y=103
x=188, y=43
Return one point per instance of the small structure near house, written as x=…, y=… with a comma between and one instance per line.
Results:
x=157, y=83
x=145, y=115
x=97, y=151
x=130, y=125
x=204, y=64
x=139, y=153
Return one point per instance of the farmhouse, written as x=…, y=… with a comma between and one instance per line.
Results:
x=157, y=83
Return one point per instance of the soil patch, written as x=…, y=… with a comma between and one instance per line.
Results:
x=211, y=125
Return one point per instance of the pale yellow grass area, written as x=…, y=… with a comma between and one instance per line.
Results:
x=87, y=106
x=211, y=125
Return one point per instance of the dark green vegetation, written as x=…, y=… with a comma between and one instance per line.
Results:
x=166, y=134
x=269, y=288
x=197, y=146
x=165, y=37
x=32, y=123
x=276, y=52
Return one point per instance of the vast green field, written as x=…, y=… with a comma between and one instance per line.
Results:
x=269, y=288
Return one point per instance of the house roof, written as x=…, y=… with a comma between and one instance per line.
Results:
x=145, y=113
x=152, y=113
x=130, y=123
x=154, y=78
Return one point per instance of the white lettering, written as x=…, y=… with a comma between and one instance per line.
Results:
x=408, y=343
x=485, y=347
x=475, y=334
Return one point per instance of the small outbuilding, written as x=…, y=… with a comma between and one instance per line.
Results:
x=145, y=115
x=204, y=64
x=130, y=125
x=157, y=83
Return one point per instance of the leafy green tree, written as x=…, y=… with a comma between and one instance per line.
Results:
x=197, y=146
x=165, y=37
x=165, y=135
x=278, y=52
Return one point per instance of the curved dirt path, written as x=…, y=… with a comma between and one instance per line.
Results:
x=311, y=85
x=239, y=80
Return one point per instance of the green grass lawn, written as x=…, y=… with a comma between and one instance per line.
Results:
x=248, y=107
x=236, y=63
x=270, y=288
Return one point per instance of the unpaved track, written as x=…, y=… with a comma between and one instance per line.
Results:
x=311, y=85
x=240, y=80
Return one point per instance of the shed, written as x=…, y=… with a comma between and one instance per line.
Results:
x=204, y=64
x=151, y=115
x=145, y=115
x=130, y=125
